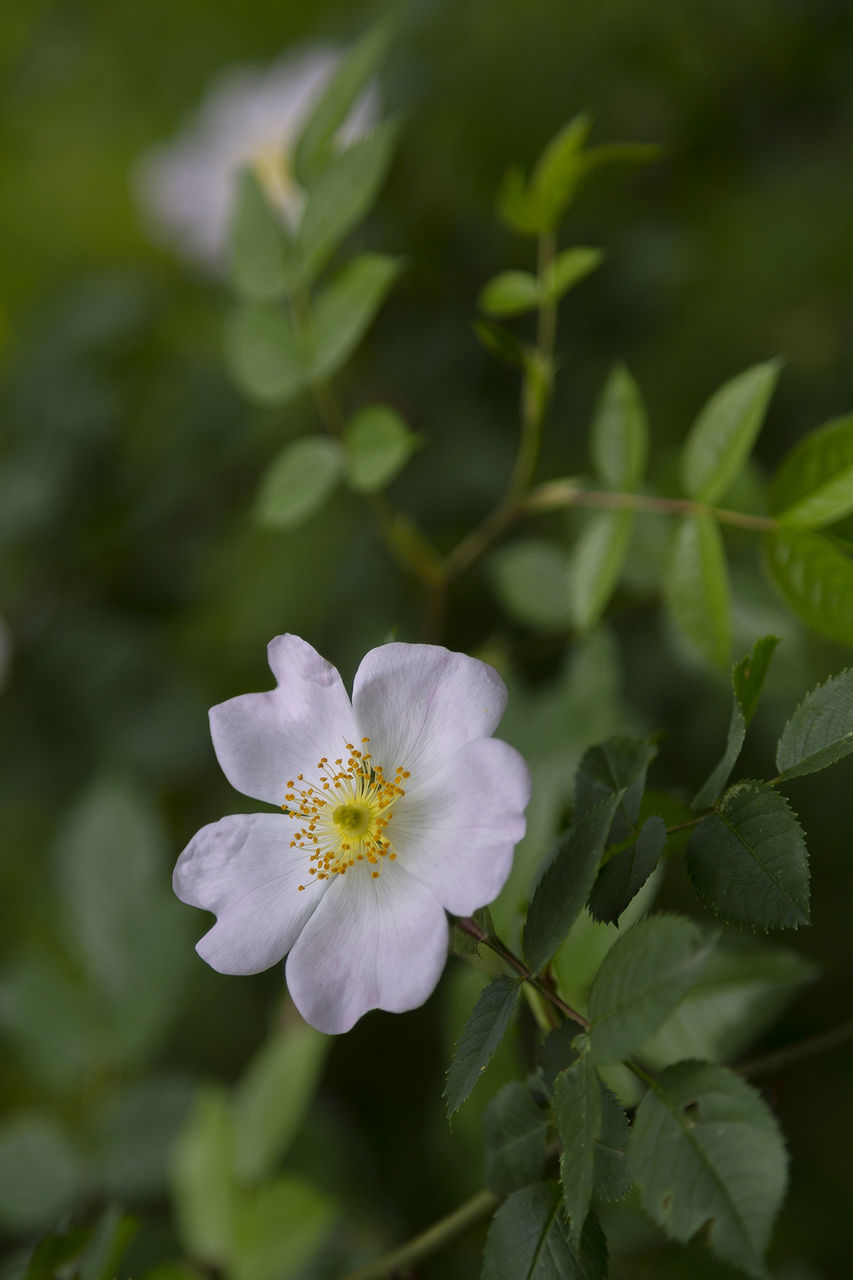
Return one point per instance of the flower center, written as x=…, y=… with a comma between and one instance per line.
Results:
x=346, y=812
x=272, y=169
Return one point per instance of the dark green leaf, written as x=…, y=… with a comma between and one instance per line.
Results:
x=596, y=564
x=748, y=860
x=510, y=294
x=346, y=307
x=266, y=359
x=619, y=436
x=721, y=438
x=705, y=1149
x=298, y=481
x=379, y=444
x=577, y=1111
x=531, y=578
x=696, y=587
x=821, y=729
x=529, y=1240
x=644, y=975
x=486, y=1026
x=500, y=342
x=612, y=1175
x=566, y=882
x=110, y=1239
x=568, y=269
x=558, y=1052
x=815, y=577
x=514, y=1129
x=52, y=1254
x=622, y=878
x=615, y=768
x=262, y=263
x=814, y=484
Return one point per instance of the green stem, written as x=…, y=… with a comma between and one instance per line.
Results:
x=431, y=1241
x=564, y=493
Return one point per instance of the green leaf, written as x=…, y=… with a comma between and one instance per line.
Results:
x=821, y=729
x=278, y=1227
x=261, y=254
x=644, y=975
x=748, y=860
x=617, y=768
x=379, y=444
x=596, y=564
x=562, y=891
x=346, y=307
x=343, y=193
x=517, y=205
x=577, y=1111
x=202, y=1181
x=622, y=878
x=40, y=1172
x=266, y=359
x=706, y=1150
x=568, y=269
x=722, y=437
x=298, y=481
x=485, y=1028
x=108, y=1244
x=696, y=588
x=612, y=1176
x=815, y=577
x=618, y=153
x=510, y=294
x=504, y=344
x=559, y=170
x=619, y=436
x=814, y=484
x=514, y=1129
x=316, y=141
x=747, y=681
x=52, y=1254
x=272, y=1099
x=529, y=1240
x=531, y=580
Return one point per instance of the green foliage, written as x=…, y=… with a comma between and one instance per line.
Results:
x=619, y=435
x=596, y=564
x=529, y=1240
x=530, y=576
x=615, y=768
x=514, y=1129
x=612, y=1175
x=748, y=860
x=510, y=294
x=722, y=437
x=705, y=1149
x=696, y=588
x=641, y=980
x=815, y=577
x=262, y=253
x=623, y=876
x=298, y=482
x=486, y=1027
x=821, y=729
x=267, y=358
x=814, y=483
x=277, y=1228
x=378, y=444
x=747, y=680
x=39, y=1172
x=346, y=307
x=201, y=1179
x=577, y=1111
x=568, y=269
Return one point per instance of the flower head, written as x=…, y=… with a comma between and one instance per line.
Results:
x=393, y=808
x=249, y=119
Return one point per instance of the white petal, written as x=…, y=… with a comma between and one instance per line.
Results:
x=243, y=870
x=419, y=703
x=371, y=944
x=264, y=739
x=457, y=832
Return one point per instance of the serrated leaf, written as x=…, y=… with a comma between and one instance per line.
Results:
x=265, y=357
x=619, y=435
x=705, y=1149
x=529, y=1240
x=622, y=878
x=722, y=437
x=596, y=564
x=814, y=483
x=748, y=860
x=568, y=269
x=696, y=588
x=298, y=481
x=577, y=1112
x=510, y=294
x=612, y=1176
x=345, y=308
x=485, y=1028
x=821, y=729
x=815, y=577
x=379, y=444
x=618, y=768
x=514, y=1129
x=530, y=577
x=642, y=978
x=201, y=1178
x=261, y=254
x=278, y=1227
x=565, y=884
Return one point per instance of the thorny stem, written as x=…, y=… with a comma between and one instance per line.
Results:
x=436, y=1237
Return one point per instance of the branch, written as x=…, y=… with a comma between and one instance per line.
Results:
x=436, y=1237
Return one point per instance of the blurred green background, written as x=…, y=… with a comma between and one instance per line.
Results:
x=136, y=592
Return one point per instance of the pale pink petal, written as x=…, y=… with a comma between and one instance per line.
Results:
x=419, y=703
x=262, y=740
x=371, y=944
x=242, y=869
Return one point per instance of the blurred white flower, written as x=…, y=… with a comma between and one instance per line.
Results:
x=253, y=118
x=393, y=808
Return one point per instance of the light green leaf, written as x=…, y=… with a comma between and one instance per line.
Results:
x=559, y=170
x=529, y=1240
x=621, y=879
x=814, y=484
x=514, y=1129
x=378, y=444
x=596, y=564
x=272, y=1099
x=644, y=975
x=821, y=729
x=577, y=1111
x=277, y=1228
x=346, y=307
x=298, y=481
x=40, y=1173
x=706, y=1150
x=568, y=269
x=261, y=254
x=266, y=359
x=486, y=1026
x=815, y=577
x=510, y=294
x=721, y=438
x=696, y=587
x=530, y=578
x=202, y=1181
x=748, y=860
x=517, y=205
x=619, y=436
